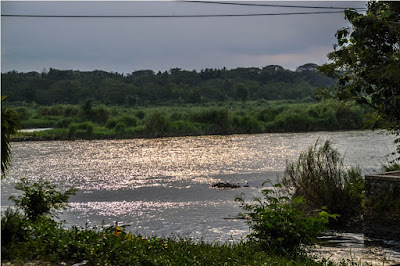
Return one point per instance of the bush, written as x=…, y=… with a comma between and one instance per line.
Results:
x=156, y=124
x=51, y=110
x=111, y=123
x=390, y=167
x=129, y=121
x=321, y=178
x=140, y=114
x=99, y=114
x=279, y=225
x=120, y=128
x=22, y=113
x=13, y=228
x=40, y=198
x=249, y=124
x=70, y=110
x=63, y=123
x=89, y=129
x=220, y=119
x=72, y=131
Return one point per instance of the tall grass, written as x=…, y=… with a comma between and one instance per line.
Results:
x=319, y=176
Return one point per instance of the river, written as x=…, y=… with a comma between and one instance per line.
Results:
x=163, y=186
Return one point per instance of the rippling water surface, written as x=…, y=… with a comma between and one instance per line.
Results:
x=162, y=186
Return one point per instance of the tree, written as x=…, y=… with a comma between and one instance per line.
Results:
x=242, y=91
x=40, y=198
x=366, y=61
x=9, y=126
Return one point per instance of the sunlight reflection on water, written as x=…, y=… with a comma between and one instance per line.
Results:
x=162, y=186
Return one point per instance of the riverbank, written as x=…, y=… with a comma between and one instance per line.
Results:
x=58, y=246
x=70, y=122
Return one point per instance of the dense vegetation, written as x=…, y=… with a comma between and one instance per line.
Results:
x=144, y=87
x=9, y=126
x=320, y=177
x=91, y=121
x=366, y=62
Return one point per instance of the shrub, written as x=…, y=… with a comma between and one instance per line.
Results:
x=51, y=110
x=89, y=129
x=120, y=128
x=70, y=110
x=268, y=115
x=278, y=223
x=220, y=119
x=249, y=124
x=129, y=121
x=140, y=114
x=85, y=125
x=63, y=123
x=22, y=113
x=13, y=228
x=40, y=198
x=111, y=123
x=72, y=131
x=392, y=166
x=156, y=124
x=99, y=114
x=321, y=178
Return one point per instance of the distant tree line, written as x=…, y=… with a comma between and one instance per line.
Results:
x=145, y=87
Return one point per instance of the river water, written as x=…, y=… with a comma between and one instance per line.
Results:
x=163, y=186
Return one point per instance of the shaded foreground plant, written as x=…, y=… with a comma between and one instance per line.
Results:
x=9, y=126
x=278, y=223
x=40, y=198
x=320, y=177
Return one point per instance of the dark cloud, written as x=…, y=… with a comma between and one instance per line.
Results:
x=127, y=44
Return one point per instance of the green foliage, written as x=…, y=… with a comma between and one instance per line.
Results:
x=89, y=129
x=242, y=92
x=111, y=122
x=72, y=131
x=140, y=114
x=366, y=61
x=87, y=106
x=13, y=228
x=120, y=128
x=40, y=198
x=156, y=124
x=129, y=121
x=176, y=86
x=22, y=113
x=63, y=123
x=46, y=240
x=99, y=114
x=278, y=223
x=71, y=110
x=235, y=118
x=53, y=110
x=9, y=126
x=391, y=167
x=320, y=177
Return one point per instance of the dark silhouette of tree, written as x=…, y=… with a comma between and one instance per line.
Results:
x=9, y=126
x=366, y=61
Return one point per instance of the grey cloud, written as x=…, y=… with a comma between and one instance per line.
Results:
x=158, y=44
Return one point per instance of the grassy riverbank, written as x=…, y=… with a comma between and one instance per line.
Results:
x=49, y=242
x=91, y=121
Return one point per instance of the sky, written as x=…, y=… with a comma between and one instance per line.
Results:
x=125, y=45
